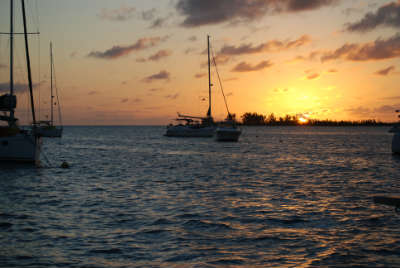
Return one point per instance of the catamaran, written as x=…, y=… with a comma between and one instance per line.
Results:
x=16, y=143
x=195, y=126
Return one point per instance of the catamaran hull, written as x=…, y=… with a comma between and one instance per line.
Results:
x=228, y=134
x=184, y=131
x=20, y=148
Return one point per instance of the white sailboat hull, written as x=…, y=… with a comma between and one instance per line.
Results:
x=23, y=147
x=228, y=134
x=189, y=131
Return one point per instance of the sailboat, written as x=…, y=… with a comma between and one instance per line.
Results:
x=47, y=128
x=228, y=129
x=17, y=144
x=195, y=126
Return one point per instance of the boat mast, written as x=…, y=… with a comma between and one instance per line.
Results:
x=51, y=81
x=28, y=63
x=11, y=120
x=209, y=77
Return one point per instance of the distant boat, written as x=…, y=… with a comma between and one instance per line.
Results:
x=17, y=144
x=195, y=126
x=46, y=128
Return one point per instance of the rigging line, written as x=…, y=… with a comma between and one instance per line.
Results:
x=219, y=79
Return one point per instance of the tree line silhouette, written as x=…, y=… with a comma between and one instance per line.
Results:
x=255, y=119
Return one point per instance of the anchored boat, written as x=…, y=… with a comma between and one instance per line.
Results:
x=47, y=128
x=195, y=126
x=16, y=143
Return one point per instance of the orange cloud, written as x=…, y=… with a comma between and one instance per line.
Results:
x=119, y=51
x=270, y=46
x=378, y=50
x=386, y=71
x=162, y=75
x=387, y=15
x=246, y=67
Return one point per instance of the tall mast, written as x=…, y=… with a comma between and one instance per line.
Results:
x=11, y=122
x=51, y=81
x=28, y=64
x=209, y=77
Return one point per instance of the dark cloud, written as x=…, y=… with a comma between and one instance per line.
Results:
x=148, y=14
x=119, y=51
x=378, y=50
x=192, y=38
x=349, y=11
x=200, y=75
x=311, y=56
x=270, y=46
x=246, y=67
x=203, y=12
x=141, y=60
x=172, y=97
x=93, y=92
x=162, y=75
x=386, y=71
x=158, y=23
x=155, y=89
x=124, y=100
x=121, y=14
x=366, y=111
x=18, y=87
x=156, y=57
x=387, y=15
x=190, y=50
x=160, y=54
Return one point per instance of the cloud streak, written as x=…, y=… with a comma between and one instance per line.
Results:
x=162, y=75
x=269, y=46
x=121, y=14
x=246, y=67
x=380, y=49
x=120, y=51
x=386, y=71
x=160, y=54
x=202, y=12
x=18, y=87
x=386, y=16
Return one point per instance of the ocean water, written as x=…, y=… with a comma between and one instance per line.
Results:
x=281, y=197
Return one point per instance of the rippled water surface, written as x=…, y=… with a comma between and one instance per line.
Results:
x=281, y=197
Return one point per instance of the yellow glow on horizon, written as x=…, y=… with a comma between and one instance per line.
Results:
x=302, y=120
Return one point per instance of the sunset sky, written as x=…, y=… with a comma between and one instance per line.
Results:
x=139, y=62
